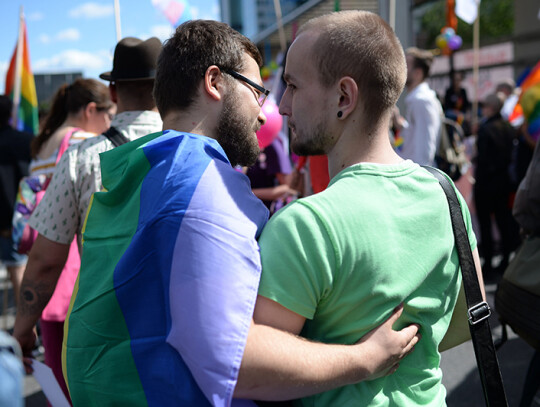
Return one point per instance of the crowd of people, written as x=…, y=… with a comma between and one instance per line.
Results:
x=157, y=276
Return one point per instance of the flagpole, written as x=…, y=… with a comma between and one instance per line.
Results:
x=282, y=40
x=117, y=20
x=18, y=69
x=476, y=60
x=392, y=14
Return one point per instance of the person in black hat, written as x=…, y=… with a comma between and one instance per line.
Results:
x=78, y=176
x=134, y=60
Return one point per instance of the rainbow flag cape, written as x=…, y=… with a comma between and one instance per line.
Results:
x=169, y=276
x=20, y=85
x=176, y=11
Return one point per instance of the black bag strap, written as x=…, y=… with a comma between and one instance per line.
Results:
x=478, y=310
x=116, y=137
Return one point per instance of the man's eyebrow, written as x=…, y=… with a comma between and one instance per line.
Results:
x=287, y=77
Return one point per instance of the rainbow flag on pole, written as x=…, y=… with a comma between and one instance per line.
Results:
x=20, y=85
x=528, y=105
x=170, y=270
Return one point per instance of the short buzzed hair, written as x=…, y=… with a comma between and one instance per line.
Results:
x=363, y=46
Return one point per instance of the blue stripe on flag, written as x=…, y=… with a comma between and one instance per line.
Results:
x=144, y=270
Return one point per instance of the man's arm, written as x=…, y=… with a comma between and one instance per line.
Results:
x=56, y=219
x=45, y=263
x=478, y=266
x=279, y=365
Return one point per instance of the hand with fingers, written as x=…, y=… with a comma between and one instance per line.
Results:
x=27, y=341
x=384, y=347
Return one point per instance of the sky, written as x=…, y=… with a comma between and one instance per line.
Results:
x=80, y=35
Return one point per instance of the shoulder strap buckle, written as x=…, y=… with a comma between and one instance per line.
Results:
x=477, y=313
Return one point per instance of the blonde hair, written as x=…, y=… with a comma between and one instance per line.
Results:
x=363, y=46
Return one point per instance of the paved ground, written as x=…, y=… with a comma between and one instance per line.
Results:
x=459, y=365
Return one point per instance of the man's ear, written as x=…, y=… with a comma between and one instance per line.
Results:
x=213, y=82
x=348, y=96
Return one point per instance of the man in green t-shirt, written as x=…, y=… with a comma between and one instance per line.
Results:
x=337, y=263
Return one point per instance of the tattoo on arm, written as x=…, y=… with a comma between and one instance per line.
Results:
x=34, y=296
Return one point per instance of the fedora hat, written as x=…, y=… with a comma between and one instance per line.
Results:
x=134, y=59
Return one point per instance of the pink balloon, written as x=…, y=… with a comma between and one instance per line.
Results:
x=274, y=121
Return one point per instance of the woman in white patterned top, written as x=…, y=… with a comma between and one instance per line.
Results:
x=83, y=108
x=79, y=111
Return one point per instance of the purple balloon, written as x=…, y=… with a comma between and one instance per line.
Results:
x=455, y=42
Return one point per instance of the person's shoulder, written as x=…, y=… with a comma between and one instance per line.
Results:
x=301, y=211
x=222, y=194
x=16, y=144
x=298, y=218
x=87, y=151
x=425, y=93
x=99, y=142
x=10, y=133
x=78, y=136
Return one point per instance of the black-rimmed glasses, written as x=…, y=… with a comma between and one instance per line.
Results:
x=262, y=93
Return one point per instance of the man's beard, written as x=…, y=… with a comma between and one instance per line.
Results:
x=235, y=133
x=316, y=144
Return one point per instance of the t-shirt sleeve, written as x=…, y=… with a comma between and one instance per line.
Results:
x=56, y=216
x=298, y=258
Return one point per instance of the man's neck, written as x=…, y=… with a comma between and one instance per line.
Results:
x=124, y=109
x=188, y=123
x=354, y=146
x=413, y=86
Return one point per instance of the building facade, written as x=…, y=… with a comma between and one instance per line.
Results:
x=48, y=83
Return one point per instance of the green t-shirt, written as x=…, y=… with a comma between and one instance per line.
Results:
x=378, y=235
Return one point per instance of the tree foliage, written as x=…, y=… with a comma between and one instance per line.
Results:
x=496, y=21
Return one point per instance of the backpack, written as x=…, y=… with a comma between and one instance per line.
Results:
x=450, y=156
x=29, y=195
x=115, y=137
x=31, y=191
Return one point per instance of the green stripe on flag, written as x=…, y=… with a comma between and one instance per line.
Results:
x=28, y=113
x=98, y=343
